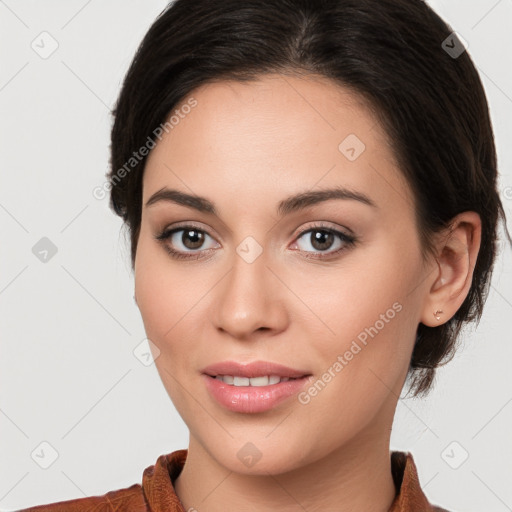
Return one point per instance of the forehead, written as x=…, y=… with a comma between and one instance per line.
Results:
x=278, y=132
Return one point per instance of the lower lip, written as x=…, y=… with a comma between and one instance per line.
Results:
x=252, y=399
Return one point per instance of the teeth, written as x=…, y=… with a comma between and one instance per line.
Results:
x=265, y=380
x=241, y=381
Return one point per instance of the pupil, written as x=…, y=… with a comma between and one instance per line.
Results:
x=195, y=236
x=322, y=238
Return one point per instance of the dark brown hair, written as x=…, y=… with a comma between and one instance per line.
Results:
x=398, y=54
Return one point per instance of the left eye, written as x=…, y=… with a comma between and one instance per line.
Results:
x=322, y=239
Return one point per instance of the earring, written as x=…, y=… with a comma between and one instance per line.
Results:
x=437, y=314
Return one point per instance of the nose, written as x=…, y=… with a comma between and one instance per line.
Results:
x=250, y=300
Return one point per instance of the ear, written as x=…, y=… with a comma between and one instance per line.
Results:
x=457, y=251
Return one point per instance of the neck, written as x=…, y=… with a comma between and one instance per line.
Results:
x=354, y=477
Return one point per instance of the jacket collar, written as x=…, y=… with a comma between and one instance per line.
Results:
x=158, y=480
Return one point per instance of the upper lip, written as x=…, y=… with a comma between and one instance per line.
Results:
x=254, y=369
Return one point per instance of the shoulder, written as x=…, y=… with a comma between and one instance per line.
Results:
x=156, y=489
x=130, y=498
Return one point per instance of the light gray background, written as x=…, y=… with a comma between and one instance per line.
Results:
x=69, y=326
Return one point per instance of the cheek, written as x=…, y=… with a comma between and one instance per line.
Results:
x=162, y=292
x=174, y=300
x=365, y=289
x=166, y=297
x=362, y=368
x=364, y=325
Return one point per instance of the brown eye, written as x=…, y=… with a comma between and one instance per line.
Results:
x=185, y=242
x=321, y=239
x=195, y=236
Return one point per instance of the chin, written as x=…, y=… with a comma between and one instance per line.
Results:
x=261, y=456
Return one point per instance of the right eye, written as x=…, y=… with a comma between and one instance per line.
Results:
x=183, y=242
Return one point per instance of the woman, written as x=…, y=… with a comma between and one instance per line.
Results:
x=310, y=191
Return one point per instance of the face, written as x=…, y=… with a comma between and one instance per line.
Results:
x=328, y=285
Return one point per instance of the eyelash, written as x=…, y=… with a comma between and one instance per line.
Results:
x=348, y=241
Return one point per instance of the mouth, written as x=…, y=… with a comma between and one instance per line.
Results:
x=255, y=374
x=264, y=380
x=258, y=394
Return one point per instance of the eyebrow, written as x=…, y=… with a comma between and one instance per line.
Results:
x=291, y=204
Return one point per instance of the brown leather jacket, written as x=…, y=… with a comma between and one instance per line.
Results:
x=156, y=494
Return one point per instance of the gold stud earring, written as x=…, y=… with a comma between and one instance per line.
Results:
x=437, y=314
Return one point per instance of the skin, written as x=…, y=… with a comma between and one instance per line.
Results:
x=246, y=147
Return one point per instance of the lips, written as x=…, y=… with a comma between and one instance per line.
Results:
x=253, y=399
x=254, y=369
